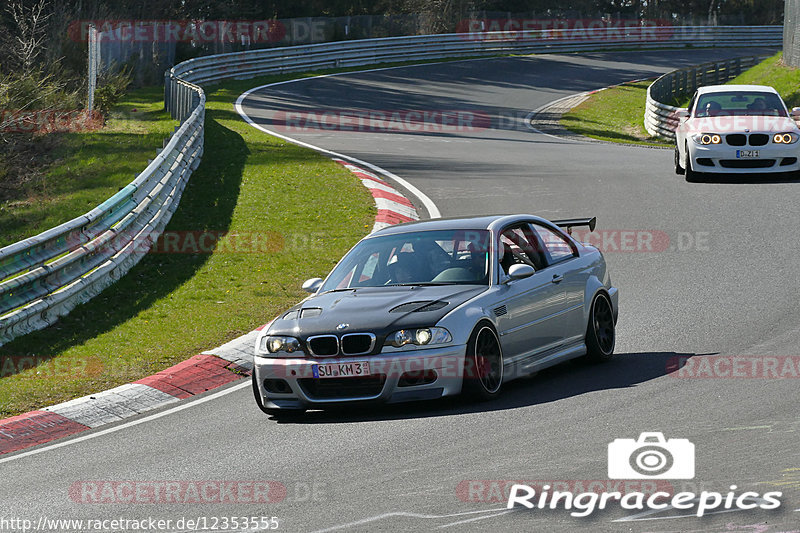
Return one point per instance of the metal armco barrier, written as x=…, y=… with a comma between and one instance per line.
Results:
x=659, y=118
x=44, y=277
x=243, y=65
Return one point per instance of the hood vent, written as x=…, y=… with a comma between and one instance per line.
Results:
x=291, y=315
x=433, y=306
x=419, y=307
x=310, y=312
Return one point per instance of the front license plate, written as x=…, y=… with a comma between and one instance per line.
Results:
x=746, y=154
x=341, y=370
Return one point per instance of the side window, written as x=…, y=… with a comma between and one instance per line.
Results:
x=556, y=247
x=518, y=246
x=692, y=102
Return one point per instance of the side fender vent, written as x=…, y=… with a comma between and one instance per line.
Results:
x=500, y=311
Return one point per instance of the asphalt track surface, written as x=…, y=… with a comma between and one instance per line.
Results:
x=400, y=468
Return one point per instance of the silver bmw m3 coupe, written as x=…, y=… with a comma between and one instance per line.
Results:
x=435, y=308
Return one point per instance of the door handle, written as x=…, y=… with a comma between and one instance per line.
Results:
x=558, y=278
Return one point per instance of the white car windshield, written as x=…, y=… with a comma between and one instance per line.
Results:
x=443, y=257
x=739, y=103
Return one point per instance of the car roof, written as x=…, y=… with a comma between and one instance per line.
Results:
x=732, y=88
x=487, y=222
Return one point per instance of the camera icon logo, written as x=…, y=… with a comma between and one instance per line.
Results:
x=651, y=457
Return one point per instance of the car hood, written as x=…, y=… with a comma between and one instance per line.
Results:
x=378, y=310
x=737, y=124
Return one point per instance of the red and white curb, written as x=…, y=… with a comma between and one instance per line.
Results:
x=204, y=372
x=393, y=207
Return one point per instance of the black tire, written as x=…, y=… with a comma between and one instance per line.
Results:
x=679, y=170
x=600, y=331
x=691, y=175
x=278, y=413
x=483, y=365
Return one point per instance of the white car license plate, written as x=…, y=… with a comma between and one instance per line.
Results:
x=341, y=370
x=746, y=154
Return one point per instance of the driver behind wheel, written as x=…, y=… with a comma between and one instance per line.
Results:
x=477, y=262
x=405, y=269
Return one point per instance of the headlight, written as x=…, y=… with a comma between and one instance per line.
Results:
x=784, y=138
x=275, y=344
x=419, y=336
x=706, y=138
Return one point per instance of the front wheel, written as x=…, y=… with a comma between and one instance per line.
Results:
x=483, y=366
x=691, y=175
x=600, y=332
x=678, y=168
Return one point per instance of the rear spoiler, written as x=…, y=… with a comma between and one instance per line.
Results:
x=570, y=223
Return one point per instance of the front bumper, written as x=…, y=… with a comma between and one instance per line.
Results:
x=722, y=158
x=392, y=385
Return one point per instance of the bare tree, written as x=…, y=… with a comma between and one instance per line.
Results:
x=31, y=30
x=712, y=14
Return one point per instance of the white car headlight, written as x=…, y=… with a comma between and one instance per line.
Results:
x=785, y=138
x=279, y=345
x=706, y=138
x=419, y=336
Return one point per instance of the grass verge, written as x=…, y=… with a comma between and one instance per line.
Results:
x=86, y=168
x=772, y=71
x=287, y=213
x=615, y=114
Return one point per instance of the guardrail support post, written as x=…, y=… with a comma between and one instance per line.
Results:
x=167, y=100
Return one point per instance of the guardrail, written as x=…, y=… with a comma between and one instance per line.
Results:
x=659, y=117
x=44, y=277
x=242, y=65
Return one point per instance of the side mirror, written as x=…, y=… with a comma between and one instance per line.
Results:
x=682, y=113
x=312, y=285
x=795, y=112
x=519, y=272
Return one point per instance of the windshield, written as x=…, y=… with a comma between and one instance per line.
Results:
x=457, y=257
x=742, y=103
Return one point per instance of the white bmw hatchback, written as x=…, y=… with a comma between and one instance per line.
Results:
x=740, y=129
